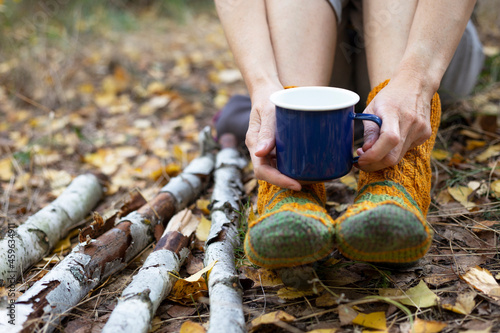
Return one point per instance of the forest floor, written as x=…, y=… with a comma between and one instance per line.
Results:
x=129, y=104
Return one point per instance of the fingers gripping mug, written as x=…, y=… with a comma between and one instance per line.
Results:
x=315, y=132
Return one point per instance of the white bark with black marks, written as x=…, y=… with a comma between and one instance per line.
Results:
x=44, y=304
x=32, y=240
x=226, y=309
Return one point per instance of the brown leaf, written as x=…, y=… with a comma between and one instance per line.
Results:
x=482, y=280
x=270, y=318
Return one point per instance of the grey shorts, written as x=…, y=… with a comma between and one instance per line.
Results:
x=350, y=70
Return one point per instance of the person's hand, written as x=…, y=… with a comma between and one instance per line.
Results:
x=404, y=107
x=260, y=139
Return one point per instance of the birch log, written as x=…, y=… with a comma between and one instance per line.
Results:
x=140, y=300
x=32, y=240
x=226, y=309
x=91, y=262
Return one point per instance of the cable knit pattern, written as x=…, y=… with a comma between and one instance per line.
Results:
x=387, y=222
x=293, y=227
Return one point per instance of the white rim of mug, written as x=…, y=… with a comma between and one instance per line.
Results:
x=355, y=99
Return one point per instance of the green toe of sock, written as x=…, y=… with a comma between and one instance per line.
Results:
x=387, y=233
x=288, y=239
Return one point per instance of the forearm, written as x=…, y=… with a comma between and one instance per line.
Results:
x=434, y=36
x=247, y=32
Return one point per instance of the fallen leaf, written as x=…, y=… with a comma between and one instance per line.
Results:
x=202, y=204
x=350, y=181
x=203, y=229
x=471, y=134
x=191, y=327
x=461, y=194
x=374, y=320
x=65, y=243
x=57, y=178
x=495, y=188
x=473, y=144
x=155, y=324
x=250, y=185
x=491, y=151
x=464, y=304
x=323, y=330
x=326, y=300
x=181, y=311
x=292, y=293
x=346, y=315
x=171, y=169
x=262, y=277
x=444, y=197
x=485, y=330
x=440, y=154
x=427, y=326
x=271, y=318
x=189, y=290
x=482, y=280
x=419, y=296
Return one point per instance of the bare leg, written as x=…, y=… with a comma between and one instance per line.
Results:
x=387, y=26
x=303, y=34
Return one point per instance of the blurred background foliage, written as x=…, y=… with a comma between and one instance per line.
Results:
x=28, y=22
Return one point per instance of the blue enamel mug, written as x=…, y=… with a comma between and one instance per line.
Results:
x=315, y=132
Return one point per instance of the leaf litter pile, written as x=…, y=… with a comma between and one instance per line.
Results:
x=129, y=107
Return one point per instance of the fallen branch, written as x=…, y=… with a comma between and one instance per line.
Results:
x=226, y=309
x=93, y=261
x=31, y=241
x=140, y=300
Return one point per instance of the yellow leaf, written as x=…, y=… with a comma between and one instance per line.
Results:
x=440, y=154
x=270, y=318
x=65, y=243
x=191, y=327
x=444, y=197
x=425, y=326
x=461, y=194
x=6, y=169
x=464, y=303
x=155, y=324
x=473, y=144
x=482, y=280
x=188, y=290
x=495, y=188
x=203, y=229
x=197, y=276
x=221, y=99
x=86, y=88
x=262, y=277
x=171, y=169
x=374, y=320
x=202, y=204
x=419, y=296
x=489, y=152
x=323, y=330
x=251, y=215
x=250, y=186
x=57, y=178
x=350, y=181
x=291, y=293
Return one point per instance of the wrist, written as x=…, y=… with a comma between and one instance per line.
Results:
x=418, y=78
x=423, y=69
x=257, y=83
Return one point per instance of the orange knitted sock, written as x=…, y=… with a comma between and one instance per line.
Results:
x=387, y=222
x=293, y=227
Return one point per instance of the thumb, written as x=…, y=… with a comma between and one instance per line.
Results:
x=371, y=131
x=266, y=137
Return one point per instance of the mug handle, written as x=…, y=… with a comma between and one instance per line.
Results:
x=370, y=117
